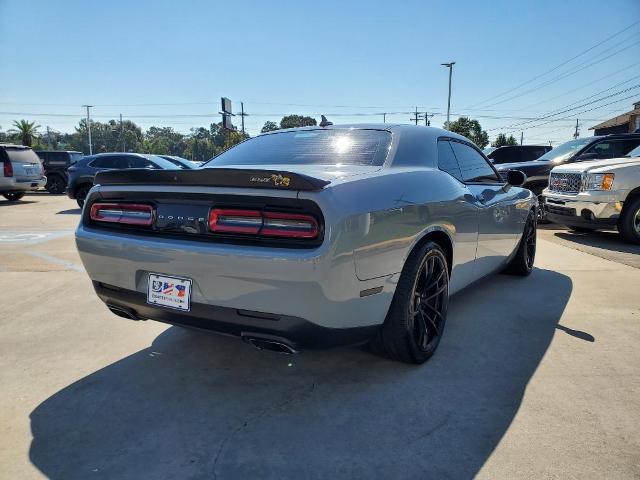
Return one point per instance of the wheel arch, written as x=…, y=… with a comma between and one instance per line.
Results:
x=440, y=236
x=632, y=195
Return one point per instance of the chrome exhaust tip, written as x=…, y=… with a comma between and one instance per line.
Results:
x=271, y=344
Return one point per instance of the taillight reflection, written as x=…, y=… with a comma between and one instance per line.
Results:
x=8, y=169
x=126, y=213
x=256, y=222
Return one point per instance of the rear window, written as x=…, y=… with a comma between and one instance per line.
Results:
x=22, y=155
x=306, y=147
x=74, y=157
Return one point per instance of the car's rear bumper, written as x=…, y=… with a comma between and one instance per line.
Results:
x=295, y=332
x=310, y=284
x=22, y=184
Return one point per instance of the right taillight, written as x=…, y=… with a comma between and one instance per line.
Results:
x=269, y=224
x=8, y=169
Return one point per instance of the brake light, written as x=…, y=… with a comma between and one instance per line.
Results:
x=127, y=213
x=256, y=222
x=8, y=169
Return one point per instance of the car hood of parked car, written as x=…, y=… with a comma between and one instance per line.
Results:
x=503, y=167
x=599, y=166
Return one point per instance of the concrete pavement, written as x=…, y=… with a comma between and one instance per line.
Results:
x=535, y=378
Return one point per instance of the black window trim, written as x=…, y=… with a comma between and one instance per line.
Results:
x=500, y=181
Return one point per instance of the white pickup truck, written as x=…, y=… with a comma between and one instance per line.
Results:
x=600, y=194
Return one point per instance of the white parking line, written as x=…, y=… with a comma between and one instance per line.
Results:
x=31, y=238
x=57, y=261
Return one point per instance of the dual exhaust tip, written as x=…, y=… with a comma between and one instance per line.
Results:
x=273, y=344
x=260, y=341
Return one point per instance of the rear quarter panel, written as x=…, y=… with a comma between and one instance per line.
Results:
x=376, y=221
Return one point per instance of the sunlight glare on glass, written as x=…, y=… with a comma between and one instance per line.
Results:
x=342, y=144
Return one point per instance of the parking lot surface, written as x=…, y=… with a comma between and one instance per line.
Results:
x=536, y=377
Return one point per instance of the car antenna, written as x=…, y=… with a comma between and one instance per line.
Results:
x=324, y=122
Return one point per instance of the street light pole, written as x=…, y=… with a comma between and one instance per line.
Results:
x=89, y=127
x=450, y=67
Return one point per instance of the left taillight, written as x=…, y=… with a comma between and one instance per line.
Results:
x=269, y=224
x=126, y=213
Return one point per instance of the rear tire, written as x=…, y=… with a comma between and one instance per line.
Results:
x=81, y=194
x=13, y=196
x=416, y=318
x=55, y=184
x=522, y=263
x=629, y=222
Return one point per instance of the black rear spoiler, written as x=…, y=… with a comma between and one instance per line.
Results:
x=212, y=177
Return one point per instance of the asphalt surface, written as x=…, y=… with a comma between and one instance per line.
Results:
x=535, y=378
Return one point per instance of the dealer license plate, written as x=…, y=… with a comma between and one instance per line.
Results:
x=170, y=292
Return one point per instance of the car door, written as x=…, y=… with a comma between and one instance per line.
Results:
x=498, y=221
x=463, y=213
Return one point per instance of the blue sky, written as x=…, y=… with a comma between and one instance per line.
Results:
x=333, y=57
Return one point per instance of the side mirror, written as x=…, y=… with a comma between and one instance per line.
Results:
x=516, y=178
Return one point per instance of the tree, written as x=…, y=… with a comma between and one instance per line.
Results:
x=502, y=140
x=269, y=127
x=470, y=129
x=26, y=131
x=292, y=121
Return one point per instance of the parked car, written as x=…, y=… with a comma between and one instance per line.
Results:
x=82, y=173
x=179, y=162
x=581, y=149
x=310, y=237
x=21, y=172
x=516, y=153
x=587, y=196
x=55, y=164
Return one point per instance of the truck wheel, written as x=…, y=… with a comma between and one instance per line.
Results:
x=55, y=184
x=629, y=222
x=522, y=263
x=418, y=312
x=81, y=194
x=541, y=211
x=13, y=196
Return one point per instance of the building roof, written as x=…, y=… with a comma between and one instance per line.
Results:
x=620, y=119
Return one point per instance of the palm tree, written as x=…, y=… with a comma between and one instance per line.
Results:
x=27, y=130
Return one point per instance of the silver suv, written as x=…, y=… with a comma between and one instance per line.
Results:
x=20, y=171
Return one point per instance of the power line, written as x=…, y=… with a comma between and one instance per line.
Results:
x=559, y=65
x=560, y=112
x=562, y=76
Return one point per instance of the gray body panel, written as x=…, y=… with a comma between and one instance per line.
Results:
x=373, y=217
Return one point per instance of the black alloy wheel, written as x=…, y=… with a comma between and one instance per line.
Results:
x=429, y=305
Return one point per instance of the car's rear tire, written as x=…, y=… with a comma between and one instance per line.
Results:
x=581, y=229
x=81, y=193
x=522, y=263
x=13, y=196
x=416, y=318
x=55, y=184
x=629, y=222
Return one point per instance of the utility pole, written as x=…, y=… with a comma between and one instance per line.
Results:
x=415, y=117
x=48, y=138
x=450, y=67
x=577, y=132
x=122, y=134
x=89, y=127
x=521, y=137
x=242, y=115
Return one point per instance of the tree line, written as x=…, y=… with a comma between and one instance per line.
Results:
x=200, y=144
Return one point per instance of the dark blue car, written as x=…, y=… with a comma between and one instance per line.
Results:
x=82, y=173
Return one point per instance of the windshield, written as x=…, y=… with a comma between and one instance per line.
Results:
x=307, y=147
x=565, y=151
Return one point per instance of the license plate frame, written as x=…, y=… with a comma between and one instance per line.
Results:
x=169, y=291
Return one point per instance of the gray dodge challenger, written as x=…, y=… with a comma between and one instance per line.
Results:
x=310, y=237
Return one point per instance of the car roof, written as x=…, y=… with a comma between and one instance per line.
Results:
x=11, y=145
x=57, y=151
